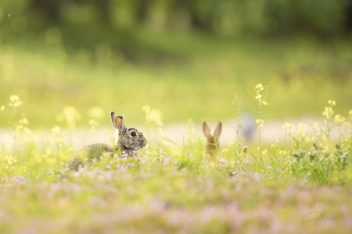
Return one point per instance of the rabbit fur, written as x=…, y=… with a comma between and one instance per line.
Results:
x=212, y=146
x=127, y=142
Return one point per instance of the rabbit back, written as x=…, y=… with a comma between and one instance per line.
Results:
x=89, y=153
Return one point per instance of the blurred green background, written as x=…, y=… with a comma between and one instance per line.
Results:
x=188, y=59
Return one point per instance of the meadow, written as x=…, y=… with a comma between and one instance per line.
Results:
x=183, y=75
x=300, y=184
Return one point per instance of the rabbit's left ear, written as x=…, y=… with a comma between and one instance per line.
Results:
x=217, y=130
x=117, y=121
x=206, y=130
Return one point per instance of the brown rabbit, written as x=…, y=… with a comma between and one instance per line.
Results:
x=128, y=141
x=213, y=146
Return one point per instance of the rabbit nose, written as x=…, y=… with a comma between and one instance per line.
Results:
x=133, y=134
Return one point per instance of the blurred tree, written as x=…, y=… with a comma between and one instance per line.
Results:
x=296, y=16
x=226, y=17
x=201, y=13
x=348, y=13
x=49, y=9
x=103, y=10
x=142, y=10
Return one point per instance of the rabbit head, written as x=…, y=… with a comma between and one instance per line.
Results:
x=129, y=140
x=212, y=138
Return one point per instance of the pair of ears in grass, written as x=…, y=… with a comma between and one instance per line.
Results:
x=207, y=131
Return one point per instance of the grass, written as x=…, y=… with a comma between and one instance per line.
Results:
x=300, y=185
x=183, y=75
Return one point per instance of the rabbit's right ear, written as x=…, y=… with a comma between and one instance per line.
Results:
x=217, y=130
x=117, y=121
x=206, y=130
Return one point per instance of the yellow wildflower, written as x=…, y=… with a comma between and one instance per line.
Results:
x=288, y=126
x=260, y=122
x=56, y=129
x=328, y=112
x=332, y=103
x=339, y=119
x=301, y=130
x=259, y=87
x=15, y=101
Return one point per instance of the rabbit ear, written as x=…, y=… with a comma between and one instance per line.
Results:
x=117, y=121
x=206, y=130
x=217, y=130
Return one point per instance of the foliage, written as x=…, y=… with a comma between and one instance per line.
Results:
x=190, y=72
x=222, y=17
x=176, y=188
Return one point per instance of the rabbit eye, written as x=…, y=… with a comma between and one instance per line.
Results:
x=133, y=133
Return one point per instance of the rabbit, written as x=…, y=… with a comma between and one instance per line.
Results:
x=212, y=139
x=127, y=142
